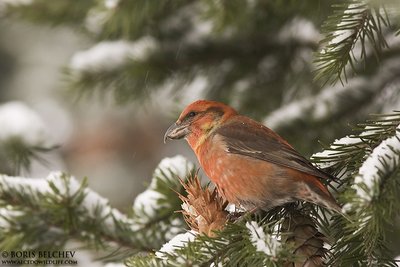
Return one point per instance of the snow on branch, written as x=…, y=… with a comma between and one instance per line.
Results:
x=19, y=120
x=337, y=152
x=89, y=216
x=175, y=243
x=110, y=55
x=23, y=137
x=352, y=23
x=265, y=243
x=57, y=195
x=149, y=204
x=383, y=160
x=61, y=186
x=333, y=101
x=327, y=103
x=6, y=215
x=300, y=29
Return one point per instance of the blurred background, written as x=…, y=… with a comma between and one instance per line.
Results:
x=102, y=80
x=116, y=146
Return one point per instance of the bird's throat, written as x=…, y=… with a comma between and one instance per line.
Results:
x=195, y=141
x=200, y=134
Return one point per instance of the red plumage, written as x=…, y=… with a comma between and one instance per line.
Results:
x=250, y=164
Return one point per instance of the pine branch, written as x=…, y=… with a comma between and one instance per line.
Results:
x=70, y=207
x=346, y=155
x=24, y=137
x=58, y=208
x=373, y=204
x=238, y=244
x=16, y=155
x=286, y=237
x=357, y=22
x=154, y=210
x=368, y=164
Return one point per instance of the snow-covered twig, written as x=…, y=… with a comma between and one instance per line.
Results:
x=62, y=186
x=382, y=161
x=265, y=243
x=148, y=204
x=90, y=216
x=19, y=120
x=175, y=243
x=333, y=100
x=111, y=55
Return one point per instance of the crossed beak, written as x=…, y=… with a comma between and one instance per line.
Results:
x=176, y=131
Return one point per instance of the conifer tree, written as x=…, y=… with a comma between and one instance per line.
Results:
x=271, y=60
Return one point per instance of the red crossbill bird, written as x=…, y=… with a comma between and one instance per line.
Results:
x=251, y=165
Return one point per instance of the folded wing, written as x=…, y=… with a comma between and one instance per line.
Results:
x=246, y=137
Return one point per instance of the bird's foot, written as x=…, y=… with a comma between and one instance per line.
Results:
x=235, y=216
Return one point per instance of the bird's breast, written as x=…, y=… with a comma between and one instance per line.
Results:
x=238, y=178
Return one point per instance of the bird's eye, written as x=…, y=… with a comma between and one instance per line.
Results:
x=192, y=114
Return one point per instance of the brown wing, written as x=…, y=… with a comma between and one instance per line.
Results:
x=249, y=138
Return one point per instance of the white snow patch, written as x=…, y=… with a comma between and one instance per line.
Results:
x=95, y=20
x=19, y=120
x=8, y=214
x=195, y=89
x=341, y=35
x=174, y=228
x=110, y=55
x=231, y=208
x=397, y=259
x=372, y=130
x=178, y=165
x=110, y=4
x=347, y=207
x=65, y=187
x=17, y=183
x=219, y=264
x=383, y=158
x=299, y=29
x=327, y=246
x=201, y=29
x=146, y=203
x=347, y=140
x=262, y=242
x=286, y=113
x=318, y=107
x=175, y=243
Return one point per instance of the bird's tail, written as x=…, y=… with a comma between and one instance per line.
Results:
x=322, y=197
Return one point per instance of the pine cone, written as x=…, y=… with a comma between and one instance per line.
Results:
x=308, y=243
x=203, y=209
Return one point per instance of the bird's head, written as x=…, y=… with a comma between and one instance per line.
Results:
x=198, y=120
